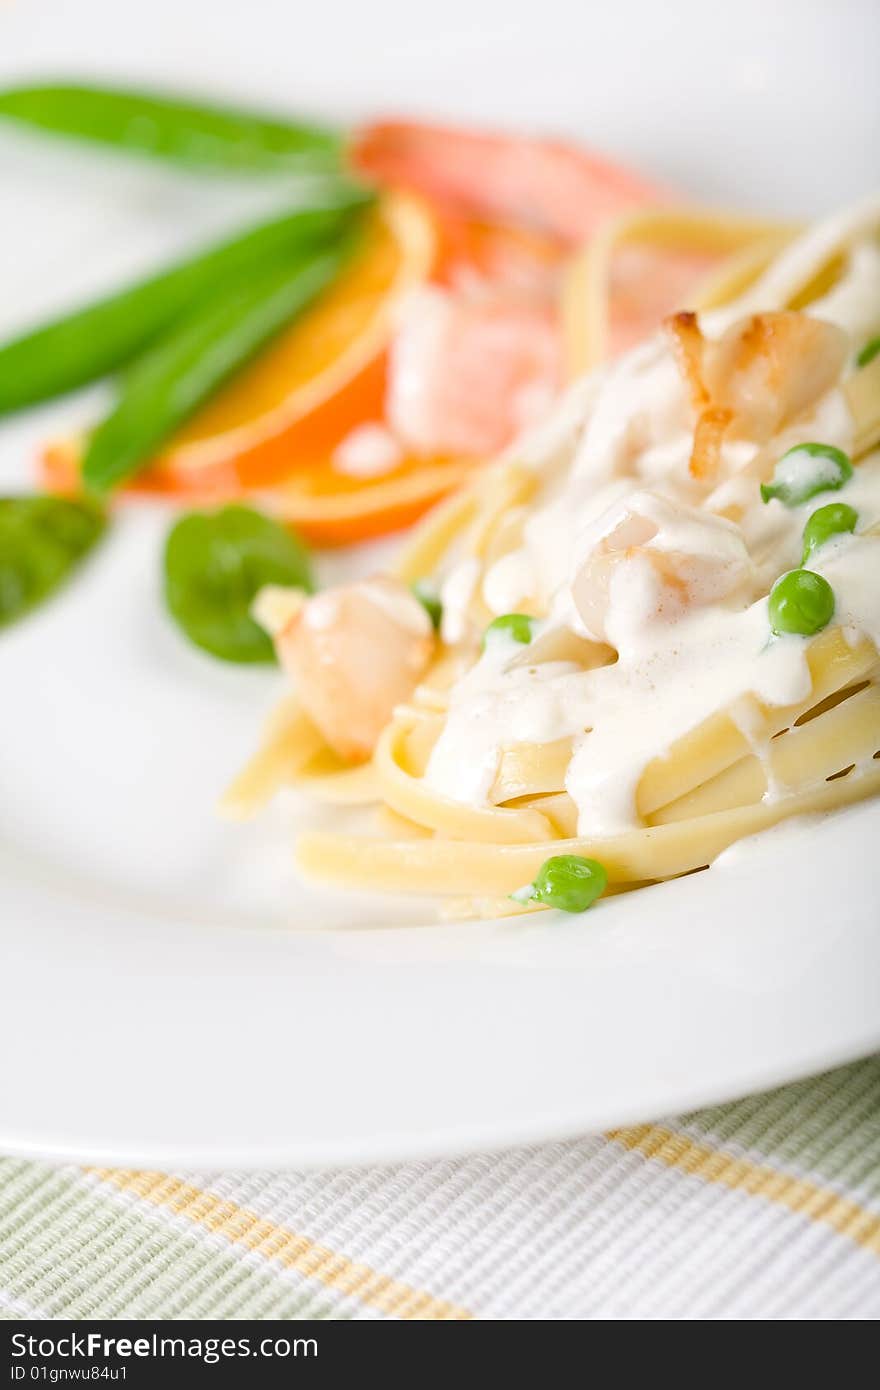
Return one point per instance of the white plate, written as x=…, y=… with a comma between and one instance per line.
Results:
x=169, y=993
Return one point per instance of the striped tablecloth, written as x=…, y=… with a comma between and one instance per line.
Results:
x=768, y=1208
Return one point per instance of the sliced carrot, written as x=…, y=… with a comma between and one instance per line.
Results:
x=329, y=508
x=324, y=375
x=59, y=466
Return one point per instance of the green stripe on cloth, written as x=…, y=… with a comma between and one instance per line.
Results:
x=828, y=1126
x=69, y=1250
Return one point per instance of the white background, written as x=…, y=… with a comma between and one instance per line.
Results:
x=769, y=102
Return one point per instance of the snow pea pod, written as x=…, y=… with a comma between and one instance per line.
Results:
x=171, y=380
x=200, y=135
x=104, y=336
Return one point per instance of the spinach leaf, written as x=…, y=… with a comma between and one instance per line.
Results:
x=215, y=564
x=42, y=540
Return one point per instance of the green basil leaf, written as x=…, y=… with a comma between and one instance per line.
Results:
x=42, y=540
x=215, y=565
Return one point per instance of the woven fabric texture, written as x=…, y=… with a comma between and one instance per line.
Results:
x=767, y=1208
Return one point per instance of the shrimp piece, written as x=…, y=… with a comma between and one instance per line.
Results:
x=467, y=375
x=475, y=254
x=711, y=427
x=647, y=283
x=763, y=372
x=689, y=350
x=769, y=368
x=544, y=184
x=647, y=558
x=355, y=652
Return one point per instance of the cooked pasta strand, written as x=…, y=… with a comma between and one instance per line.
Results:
x=470, y=867
x=289, y=743
x=847, y=734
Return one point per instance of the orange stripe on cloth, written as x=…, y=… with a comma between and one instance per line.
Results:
x=799, y=1195
x=291, y=1250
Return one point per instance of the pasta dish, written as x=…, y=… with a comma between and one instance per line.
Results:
x=638, y=618
x=650, y=629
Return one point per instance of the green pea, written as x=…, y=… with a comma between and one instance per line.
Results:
x=517, y=626
x=834, y=520
x=806, y=470
x=430, y=600
x=868, y=352
x=801, y=602
x=568, y=882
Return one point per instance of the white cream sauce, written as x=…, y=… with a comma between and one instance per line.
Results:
x=674, y=667
x=456, y=593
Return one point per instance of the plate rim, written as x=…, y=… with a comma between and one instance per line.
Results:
x=617, y=939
